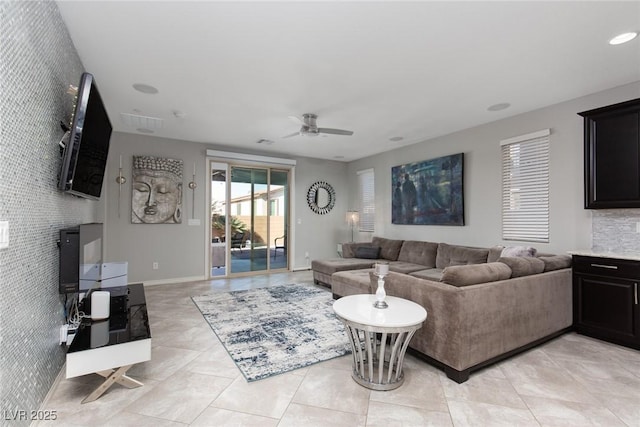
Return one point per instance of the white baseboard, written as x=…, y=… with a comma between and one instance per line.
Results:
x=61, y=375
x=301, y=268
x=174, y=280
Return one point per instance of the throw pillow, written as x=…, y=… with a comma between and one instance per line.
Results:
x=523, y=266
x=511, y=251
x=472, y=274
x=368, y=252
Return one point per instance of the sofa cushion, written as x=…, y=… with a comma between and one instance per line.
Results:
x=423, y=253
x=464, y=275
x=389, y=249
x=556, y=262
x=523, y=266
x=433, y=274
x=494, y=253
x=330, y=266
x=459, y=255
x=404, y=267
x=367, y=252
x=511, y=251
x=352, y=282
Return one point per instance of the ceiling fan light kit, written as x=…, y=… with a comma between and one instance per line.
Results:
x=310, y=128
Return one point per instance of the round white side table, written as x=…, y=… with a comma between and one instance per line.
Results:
x=379, y=337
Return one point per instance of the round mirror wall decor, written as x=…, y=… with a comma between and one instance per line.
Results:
x=321, y=197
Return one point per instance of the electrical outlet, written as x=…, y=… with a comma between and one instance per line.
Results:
x=155, y=265
x=4, y=234
x=306, y=254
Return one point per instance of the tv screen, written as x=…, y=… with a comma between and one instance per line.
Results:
x=85, y=153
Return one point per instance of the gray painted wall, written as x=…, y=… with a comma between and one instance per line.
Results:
x=570, y=224
x=39, y=62
x=181, y=249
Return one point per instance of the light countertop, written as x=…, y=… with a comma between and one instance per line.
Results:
x=605, y=254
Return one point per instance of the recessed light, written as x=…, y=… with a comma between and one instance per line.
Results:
x=338, y=157
x=141, y=87
x=498, y=107
x=623, y=38
x=396, y=138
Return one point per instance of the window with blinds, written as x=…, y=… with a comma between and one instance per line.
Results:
x=525, y=187
x=367, y=206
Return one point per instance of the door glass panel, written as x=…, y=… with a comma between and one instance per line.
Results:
x=278, y=220
x=248, y=204
x=218, y=221
x=249, y=219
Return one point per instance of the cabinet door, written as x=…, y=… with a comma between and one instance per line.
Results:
x=612, y=156
x=607, y=308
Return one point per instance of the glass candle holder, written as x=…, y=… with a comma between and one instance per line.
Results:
x=381, y=269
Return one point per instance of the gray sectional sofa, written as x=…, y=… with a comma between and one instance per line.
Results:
x=482, y=306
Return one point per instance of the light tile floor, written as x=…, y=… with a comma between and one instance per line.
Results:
x=570, y=381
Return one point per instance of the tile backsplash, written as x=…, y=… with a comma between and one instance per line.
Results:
x=615, y=230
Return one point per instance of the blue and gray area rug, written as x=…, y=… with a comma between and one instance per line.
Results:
x=273, y=330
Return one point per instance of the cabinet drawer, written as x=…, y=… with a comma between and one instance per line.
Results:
x=607, y=267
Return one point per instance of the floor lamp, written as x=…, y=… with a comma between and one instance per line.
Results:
x=352, y=219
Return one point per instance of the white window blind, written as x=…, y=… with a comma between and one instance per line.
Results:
x=525, y=187
x=367, y=206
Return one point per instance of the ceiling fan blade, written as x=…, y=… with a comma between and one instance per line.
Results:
x=296, y=119
x=293, y=134
x=335, y=131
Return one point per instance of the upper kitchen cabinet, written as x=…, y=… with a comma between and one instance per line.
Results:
x=612, y=156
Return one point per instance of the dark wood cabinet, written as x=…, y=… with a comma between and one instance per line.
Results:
x=605, y=299
x=612, y=156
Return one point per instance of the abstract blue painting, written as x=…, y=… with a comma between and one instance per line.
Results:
x=428, y=192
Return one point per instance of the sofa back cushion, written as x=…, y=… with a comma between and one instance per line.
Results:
x=423, y=253
x=389, y=248
x=523, y=266
x=459, y=255
x=494, y=253
x=464, y=275
x=555, y=262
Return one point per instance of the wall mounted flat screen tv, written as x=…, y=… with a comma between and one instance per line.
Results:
x=87, y=146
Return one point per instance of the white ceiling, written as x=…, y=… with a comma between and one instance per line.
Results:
x=415, y=70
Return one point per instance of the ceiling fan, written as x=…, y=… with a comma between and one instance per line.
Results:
x=309, y=127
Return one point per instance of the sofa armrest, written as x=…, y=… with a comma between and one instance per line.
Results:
x=505, y=315
x=469, y=325
x=440, y=337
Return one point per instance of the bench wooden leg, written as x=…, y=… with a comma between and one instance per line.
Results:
x=112, y=376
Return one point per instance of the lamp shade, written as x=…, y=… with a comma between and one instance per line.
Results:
x=352, y=218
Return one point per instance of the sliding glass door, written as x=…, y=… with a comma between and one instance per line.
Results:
x=249, y=219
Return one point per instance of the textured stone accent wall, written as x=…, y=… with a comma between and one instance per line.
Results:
x=614, y=230
x=38, y=64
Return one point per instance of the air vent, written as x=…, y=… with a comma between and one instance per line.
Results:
x=135, y=121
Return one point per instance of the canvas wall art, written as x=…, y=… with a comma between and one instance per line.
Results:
x=428, y=192
x=156, y=196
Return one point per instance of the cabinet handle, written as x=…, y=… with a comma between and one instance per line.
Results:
x=612, y=267
x=635, y=292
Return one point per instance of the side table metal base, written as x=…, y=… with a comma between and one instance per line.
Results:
x=378, y=356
